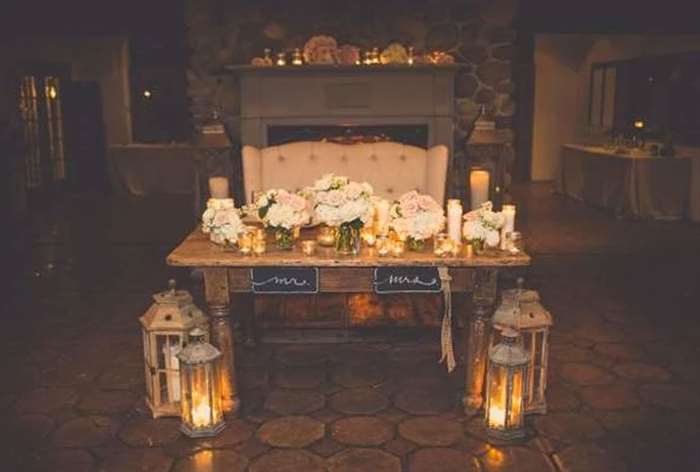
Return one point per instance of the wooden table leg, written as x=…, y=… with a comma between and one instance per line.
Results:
x=216, y=291
x=477, y=338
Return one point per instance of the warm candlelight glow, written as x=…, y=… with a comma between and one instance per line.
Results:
x=308, y=247
x=368, y=236
x=259, y=247
x=497, y=416
x=245, y=243
x=639, y=124
x=469, y=250
x=381, y=216
x=398, y=247
x=479, y=184
x=325, y=236
x=201, y=414
x=383, y=246
x=281, y=59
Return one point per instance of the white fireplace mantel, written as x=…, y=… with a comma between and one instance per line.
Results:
x=347, y=96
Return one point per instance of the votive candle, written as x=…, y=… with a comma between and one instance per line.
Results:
x=325, y=236
x=245, y=243
x=308, y=247
x=259, y=247
x=383, y=246
x=398, y=247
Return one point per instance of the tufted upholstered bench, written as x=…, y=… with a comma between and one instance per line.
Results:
x=391, y=168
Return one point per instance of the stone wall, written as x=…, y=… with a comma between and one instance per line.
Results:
x=477, y=32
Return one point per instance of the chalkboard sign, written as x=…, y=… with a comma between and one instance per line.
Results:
x=406, y=279
x=284, y=279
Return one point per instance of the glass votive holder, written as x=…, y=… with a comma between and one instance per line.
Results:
x=454, y=247
x=469, y=250
x=245, y=243
x=308, y=247
x=398, y=247
x=439, y=244
x=325, y=236
x=258, y=235
x=368, y=236
x=383, y=246
x=259, y=247
x=514, y=242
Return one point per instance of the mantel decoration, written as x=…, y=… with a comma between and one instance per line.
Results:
x=505, y=388
x=200, y=378
x=222, y=222
x=324, y=50
x=482, y=227
x=343, y=205
x=282, y=212
x=166, y=326
x=416, y=218
x=523, y=310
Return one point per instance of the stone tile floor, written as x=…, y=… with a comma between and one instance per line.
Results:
x=625, y=363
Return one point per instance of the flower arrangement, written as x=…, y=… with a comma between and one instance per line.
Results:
x=416, y=218
x=344, y=205
x=222, y=221
x=481, y=226
x=282, y=211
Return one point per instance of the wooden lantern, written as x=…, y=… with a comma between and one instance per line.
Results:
x=521, y=309
x=200, y=379
x=165, y=327
x=505, y=388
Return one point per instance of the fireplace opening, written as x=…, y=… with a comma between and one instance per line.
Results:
x=415, y=135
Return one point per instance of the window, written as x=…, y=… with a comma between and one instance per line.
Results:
x=601, y=104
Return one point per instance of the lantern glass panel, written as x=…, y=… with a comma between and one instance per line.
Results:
x=515, y=416
x=497, y=397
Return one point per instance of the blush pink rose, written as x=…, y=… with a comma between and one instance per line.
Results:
x=409, y=208
x=335, y=198
x=297, y=202
x=426, y=202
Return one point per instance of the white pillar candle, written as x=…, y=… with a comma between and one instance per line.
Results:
x=218, y=187
x=454, y=219
x=381, y=208
x=508, y=212
x=479, y=184
x=172, y=366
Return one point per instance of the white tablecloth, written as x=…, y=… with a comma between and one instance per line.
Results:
x=629, y=185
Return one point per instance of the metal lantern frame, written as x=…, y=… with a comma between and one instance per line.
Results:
x=165, y=331
x=506, y=375
x=521, y=309
x=201, y=406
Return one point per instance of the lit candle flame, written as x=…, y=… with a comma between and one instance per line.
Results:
x=201, y=415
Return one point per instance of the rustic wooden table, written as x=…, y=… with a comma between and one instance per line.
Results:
x=227, y=271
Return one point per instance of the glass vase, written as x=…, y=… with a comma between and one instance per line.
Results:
x=284, y=238
x=347, y=240
x=415, y=245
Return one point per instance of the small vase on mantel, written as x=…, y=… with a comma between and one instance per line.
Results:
x=347, y=239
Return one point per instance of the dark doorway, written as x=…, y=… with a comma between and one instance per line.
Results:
x=84, y=136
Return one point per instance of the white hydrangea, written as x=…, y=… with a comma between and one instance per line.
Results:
x=222, y=221
x=339, y=201
x=416, y=216
x=483, y=225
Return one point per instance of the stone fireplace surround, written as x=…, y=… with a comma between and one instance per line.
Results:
x=479, y=35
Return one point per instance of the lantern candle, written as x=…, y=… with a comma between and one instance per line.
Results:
x=218, y=187
x=479, y=184
x=505, y=388
x=201, y=414
x=172, y=367
x=454, y=219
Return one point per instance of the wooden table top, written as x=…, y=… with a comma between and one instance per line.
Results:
x=198, y=251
